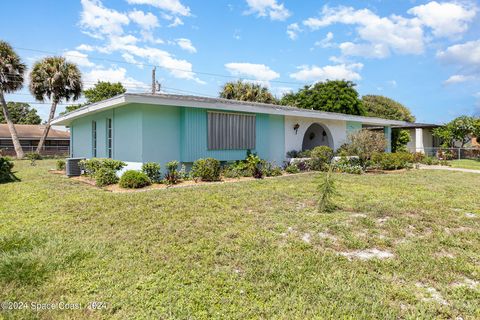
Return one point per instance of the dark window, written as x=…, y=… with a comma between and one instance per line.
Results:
x=109, y=137
x=231, y=131
x=94, y=139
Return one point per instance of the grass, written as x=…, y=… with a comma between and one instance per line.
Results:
x=254, y=249
x=466, y=164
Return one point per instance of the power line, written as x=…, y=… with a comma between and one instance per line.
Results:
x=152, y=65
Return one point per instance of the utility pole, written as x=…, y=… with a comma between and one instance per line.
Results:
x=153, y=80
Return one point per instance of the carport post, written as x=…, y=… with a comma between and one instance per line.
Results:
x=388, y=135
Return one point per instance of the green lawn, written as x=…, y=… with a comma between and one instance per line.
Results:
x=254, y=249
x=466, y=164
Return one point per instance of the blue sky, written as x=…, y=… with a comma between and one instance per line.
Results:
x=424, y=54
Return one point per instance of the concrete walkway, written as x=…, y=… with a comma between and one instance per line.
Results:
x=425, y=167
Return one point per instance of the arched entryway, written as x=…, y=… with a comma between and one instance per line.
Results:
x=317, y=135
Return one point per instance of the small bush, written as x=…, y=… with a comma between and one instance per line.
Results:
x=320, y=158
x=292, y=154
x=132, y=179
x=364, y=144
x=91, y=166
x=184, y=174
x=105, y=177
x=60, y=164
x=271, y=170
x=292, y=168
x=33, y=157
x=392, y=161
x=348, y=165
x=255, y=165
x=418, y=157
x=6, y=173
x=327, y=190
x=302, y=164
x=152, y=170
x=172, y=176
x=206, y=169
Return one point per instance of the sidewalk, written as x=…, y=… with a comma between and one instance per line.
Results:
x=448, y=168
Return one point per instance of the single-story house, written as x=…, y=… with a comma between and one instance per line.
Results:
x=57, y=142
x=139, y=128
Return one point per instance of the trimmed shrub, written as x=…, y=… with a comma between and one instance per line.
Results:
x=152, y=170
x=91, y=166
x=392, y=161
x=184, y=174
x=132, y=179
x=320, y=158
x=292, y=168
x=418, y=157
x=6, y=173
x=60, y=164
x=105, y=177
x=206, y=169
x=172, y=176
x=348, y=165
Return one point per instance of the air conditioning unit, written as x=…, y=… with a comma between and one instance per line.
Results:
x=72, y=168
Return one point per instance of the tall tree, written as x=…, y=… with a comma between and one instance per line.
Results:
x=383, y=107
x=102, y=90
x=21, y=113
x=331, y=96
x=247, y=91
x=11, y=80
x=55, y=79
x=460, y=129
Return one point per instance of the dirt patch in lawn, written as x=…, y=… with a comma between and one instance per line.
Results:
x=367, y=254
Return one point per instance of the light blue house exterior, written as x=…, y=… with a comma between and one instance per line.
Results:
x=139, y=128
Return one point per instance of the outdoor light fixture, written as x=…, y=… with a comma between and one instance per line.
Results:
x=295, y=127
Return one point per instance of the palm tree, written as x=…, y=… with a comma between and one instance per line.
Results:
x=246, y=91
x=55, y=79
x=11, y=80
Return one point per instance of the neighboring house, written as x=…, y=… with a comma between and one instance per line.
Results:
x=421, y=137
x=138, y=128
x=57, y=142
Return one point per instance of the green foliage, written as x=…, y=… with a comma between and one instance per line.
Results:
x=60, y=164
x=105, y=177
x=332, y=96
x=364, y=144
x=206, y=169
x=292, y=168
x=320, y=158
x=33, y=157
x=459, y=129
x=392, y=161
x=400, y=138
x=184, y=175
x=271, y=170
x=91, y=166
x=236, y=170
x=6, y=173
x=327, y=190
x=255, y=165
x=21, y=113
x=299, y=154
x=11, y=69
x=172, y=176
x=247, y=91
x=348, y=165
x=152, y=170
x=133, y=179
x=103, y=90
x=386, y=108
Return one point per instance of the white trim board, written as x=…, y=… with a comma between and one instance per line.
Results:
x=215, y=104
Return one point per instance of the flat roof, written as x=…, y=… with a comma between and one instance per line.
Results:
x=162, y=99
x=33, y=131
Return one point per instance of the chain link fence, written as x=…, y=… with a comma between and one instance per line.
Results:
x=451, y=153
x=46, y=150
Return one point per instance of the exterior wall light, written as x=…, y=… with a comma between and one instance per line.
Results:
x=295, y=127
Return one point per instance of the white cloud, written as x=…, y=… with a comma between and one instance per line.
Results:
x=131, y=59
x=269, y=8
x=293, y=30
x=335, y=72
x=446, y=19
x=458, y=78
x=85, y=47
x=112, y=75
x=364, y=50
x=99, y=21
x=146, y=21
x=78, y=58
x=325, y=42
x=253, y=71
x=465, y=54
x=397, y=33
x=176, y=22
x=172, y=6
x=392, y=83
x=186, y=45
